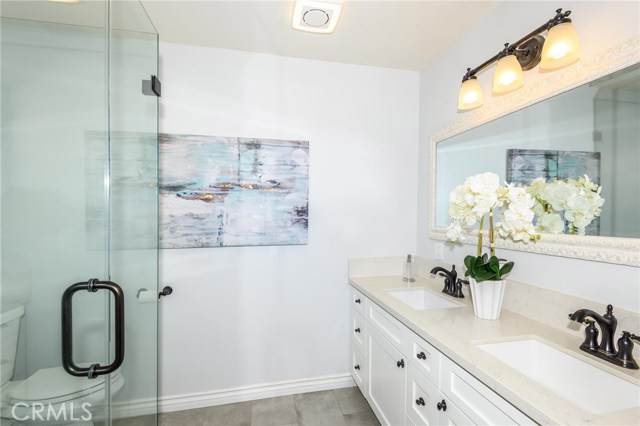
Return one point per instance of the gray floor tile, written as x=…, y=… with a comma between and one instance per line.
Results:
x=194, y=417
x=363, y=418
x=136, y=421
x=318, y=409
x=351, y=400
x=278, y=411
x=238, y=414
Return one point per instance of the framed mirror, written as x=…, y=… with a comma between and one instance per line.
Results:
x=585, y=122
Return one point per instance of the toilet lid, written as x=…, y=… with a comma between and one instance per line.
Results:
x=56, y=384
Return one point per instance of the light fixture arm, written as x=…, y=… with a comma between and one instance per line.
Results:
x=517, y=47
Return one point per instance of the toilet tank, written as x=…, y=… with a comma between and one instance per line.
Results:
x=10, y=328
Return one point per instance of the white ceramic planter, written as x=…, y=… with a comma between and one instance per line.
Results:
x=487, y=298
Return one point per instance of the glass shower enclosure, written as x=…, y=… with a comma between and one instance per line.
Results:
x=78, y=213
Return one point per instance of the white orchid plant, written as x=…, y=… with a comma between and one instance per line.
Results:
x=471, y=202
x=565, y=206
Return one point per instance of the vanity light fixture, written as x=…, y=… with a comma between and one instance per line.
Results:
x=316, y=16
x=561, y=48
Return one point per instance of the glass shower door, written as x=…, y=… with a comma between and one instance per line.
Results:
x=78, y=179
x=134, y=203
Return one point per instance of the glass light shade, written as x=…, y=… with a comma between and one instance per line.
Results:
x=561, y=48
x=470, y=95
x=508, y=75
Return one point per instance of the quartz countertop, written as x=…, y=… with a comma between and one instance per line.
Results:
x=456, y=331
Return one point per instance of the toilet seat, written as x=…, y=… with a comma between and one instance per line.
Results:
x=55, y=386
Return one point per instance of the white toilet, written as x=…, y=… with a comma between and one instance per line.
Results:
x=50, y=396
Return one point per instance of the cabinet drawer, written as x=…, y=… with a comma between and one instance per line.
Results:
x=386, y=324
x=358, y=301
x=358, y=331
x=477, y=401
x=359, y=369
x=422, y=398
x=425, y=357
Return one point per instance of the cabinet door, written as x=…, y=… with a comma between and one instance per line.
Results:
x=358, y=301
x=358, y=331
x=359, y=369
x=453, y=416
x=478, y=402
x=386, y=380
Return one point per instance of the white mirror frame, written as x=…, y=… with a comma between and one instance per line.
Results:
x=622, y=251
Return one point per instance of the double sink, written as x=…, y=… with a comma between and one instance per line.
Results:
x=585, y=385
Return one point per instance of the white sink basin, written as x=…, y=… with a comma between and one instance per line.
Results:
x=590, y=388
x=422, y=300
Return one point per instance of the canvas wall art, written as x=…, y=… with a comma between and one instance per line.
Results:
x=228, y=191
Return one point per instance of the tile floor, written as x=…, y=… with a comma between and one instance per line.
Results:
x=339, y=407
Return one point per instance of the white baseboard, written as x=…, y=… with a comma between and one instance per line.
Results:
x=138, y=407
x=249, y=393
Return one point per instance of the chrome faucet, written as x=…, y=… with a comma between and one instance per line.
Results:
x=607, y=324
x=451, y=285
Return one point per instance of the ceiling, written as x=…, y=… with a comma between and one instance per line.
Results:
x=395, y=34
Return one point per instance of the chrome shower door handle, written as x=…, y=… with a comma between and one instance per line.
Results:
x=92, y=286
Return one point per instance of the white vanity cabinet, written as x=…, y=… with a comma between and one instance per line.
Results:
x=408, y=382
x=359, y=339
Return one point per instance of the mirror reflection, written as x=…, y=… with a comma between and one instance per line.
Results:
x=577, y=153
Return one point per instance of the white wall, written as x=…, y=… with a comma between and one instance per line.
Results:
x=600, y=25
x=253, y=315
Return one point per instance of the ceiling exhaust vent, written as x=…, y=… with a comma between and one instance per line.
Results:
x=315, y=16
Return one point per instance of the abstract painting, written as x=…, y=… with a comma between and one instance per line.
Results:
x=229, y=191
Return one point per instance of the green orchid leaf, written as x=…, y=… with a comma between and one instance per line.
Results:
x=506, y=268
x=484, y=275
x=494, y=265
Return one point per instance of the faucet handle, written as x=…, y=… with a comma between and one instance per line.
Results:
x=590, y=336
x=458, y=288
x=609, y=311
x=625, y=351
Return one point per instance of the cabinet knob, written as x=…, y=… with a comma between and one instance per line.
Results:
x=357, y=367
x=400, y=363
x=357, y=330
x=357, y=300
x=442, y=405
x=420, y=401
x=421, y=355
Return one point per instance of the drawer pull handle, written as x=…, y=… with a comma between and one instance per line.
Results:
x=357, y=300
x=357, y=367
x=420, y=401
x=357, y=330
x=400, y=363
x=442, y=405
x=421, y=355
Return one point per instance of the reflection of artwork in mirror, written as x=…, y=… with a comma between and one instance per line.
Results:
x=598, y=117
x=526, y=165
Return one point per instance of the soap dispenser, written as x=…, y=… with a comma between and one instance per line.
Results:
x=408, y=270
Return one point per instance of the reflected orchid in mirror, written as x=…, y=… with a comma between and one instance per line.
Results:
x=566, y=206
